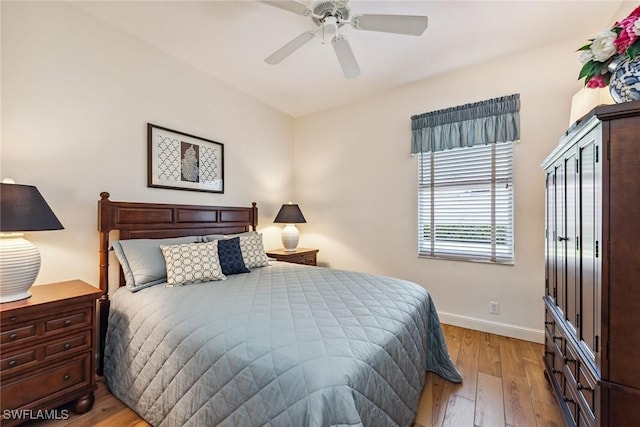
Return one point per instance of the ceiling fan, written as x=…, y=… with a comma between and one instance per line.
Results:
x=329, y=16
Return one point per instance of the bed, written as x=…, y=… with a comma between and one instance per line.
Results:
x=279, y=345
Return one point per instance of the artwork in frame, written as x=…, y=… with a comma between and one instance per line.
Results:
x=184, y=162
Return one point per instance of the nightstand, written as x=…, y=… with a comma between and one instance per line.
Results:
x=300, y=256
x=47, y=350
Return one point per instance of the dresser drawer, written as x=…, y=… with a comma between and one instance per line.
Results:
x=19, y=333
x=571, y=360
x=569, y=397
x=18, y=360
x=586, y=386
x=300, y=259
x=57, y=380
x=78, y=318
x=72, y=343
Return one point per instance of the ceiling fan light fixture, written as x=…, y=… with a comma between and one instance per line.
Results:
x=330, y=25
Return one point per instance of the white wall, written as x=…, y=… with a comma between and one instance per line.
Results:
x=76, y=98
x=356, y=182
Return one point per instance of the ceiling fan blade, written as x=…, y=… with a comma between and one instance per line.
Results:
x=290, y=6
x=286, y=50
x=345, y=56
x=411, y=25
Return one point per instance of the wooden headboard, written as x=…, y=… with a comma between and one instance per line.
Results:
x=135, y=220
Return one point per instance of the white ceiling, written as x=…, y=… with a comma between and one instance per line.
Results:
x=230, y=39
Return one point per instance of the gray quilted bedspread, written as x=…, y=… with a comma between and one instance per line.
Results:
x=284, y=345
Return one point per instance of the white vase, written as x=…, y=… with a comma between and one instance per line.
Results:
x=290, y=237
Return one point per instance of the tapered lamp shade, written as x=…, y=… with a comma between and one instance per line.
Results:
x=22, y=208
x=290, y=215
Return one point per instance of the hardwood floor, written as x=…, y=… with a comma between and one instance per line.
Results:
x=504, y=385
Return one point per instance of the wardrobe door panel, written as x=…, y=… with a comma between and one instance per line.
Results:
x=550, y=232
x=590, y=244
x=570, y=240
x=559, y=243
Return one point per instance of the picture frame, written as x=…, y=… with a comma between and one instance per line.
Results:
x=181, y=161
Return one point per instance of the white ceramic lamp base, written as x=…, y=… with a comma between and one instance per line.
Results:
x=19, y=267
x=290, y=237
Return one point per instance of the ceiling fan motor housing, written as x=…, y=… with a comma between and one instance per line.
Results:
x=325, y=9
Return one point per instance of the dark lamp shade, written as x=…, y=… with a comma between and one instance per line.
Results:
x=290, y=214
x=22, y=208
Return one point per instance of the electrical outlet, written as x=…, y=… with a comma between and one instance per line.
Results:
x=494, y=307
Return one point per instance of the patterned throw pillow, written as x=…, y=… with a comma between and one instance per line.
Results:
x=230, y=256
x=192, y=263
x=253, y=251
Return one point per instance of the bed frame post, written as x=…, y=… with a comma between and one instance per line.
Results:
x=254, y=216
x=104, y=226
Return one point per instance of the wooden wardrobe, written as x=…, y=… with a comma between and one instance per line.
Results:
x=592, y=281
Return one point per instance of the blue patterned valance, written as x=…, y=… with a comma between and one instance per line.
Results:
x=485, y=122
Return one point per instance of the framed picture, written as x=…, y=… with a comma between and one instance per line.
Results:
x=184, y=162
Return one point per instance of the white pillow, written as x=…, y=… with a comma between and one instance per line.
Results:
x=253, y=251
x=192, y=263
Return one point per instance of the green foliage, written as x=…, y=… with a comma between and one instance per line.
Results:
x=633, y=50
x=468, y=233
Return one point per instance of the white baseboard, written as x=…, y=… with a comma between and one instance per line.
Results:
x=498, y=328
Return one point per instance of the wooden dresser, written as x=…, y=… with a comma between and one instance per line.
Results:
x=47, y=351
x=592, y=301
x=299, y=256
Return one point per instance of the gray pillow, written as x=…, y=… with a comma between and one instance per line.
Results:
x=142, y=260
x=213, y=237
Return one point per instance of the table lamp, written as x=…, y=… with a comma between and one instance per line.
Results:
x=22, y=208
x=290, y=215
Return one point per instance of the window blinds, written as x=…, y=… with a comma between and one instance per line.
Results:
x=465, y=202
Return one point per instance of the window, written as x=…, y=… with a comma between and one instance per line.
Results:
x=465, y=203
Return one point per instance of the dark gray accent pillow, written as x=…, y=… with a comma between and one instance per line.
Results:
x=230, y=256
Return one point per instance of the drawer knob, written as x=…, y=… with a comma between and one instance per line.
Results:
x=66, y=377
x=581, y=387
x=13, y=336
x=13, y=318
x=67, y=322
x=12, y=363
x=67, y=345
